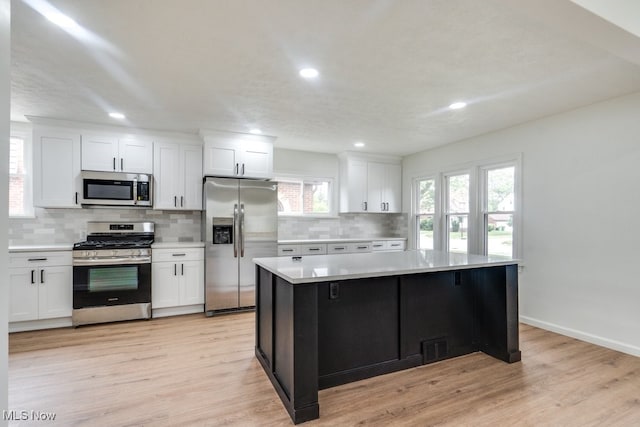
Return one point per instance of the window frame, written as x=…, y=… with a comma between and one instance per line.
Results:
x=484, y=202
x=477, y=203
x=436, y=207
x=23, y=131
x=301, y=179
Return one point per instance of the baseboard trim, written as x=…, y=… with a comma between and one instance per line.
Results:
x=583, y=336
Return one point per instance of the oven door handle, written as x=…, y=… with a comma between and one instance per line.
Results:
x=111, y=261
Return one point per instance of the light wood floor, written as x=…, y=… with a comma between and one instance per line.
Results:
x=193, y=370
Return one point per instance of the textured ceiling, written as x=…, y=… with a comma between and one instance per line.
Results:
x=388, y=69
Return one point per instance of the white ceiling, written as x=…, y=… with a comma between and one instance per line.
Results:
x=388, y=68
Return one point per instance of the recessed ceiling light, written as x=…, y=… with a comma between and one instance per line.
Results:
x=309, y=73
x=457, y=105
x=358, y=144
x=255, y=131
x=118, y=116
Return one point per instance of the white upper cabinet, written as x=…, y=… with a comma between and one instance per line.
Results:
x=238, y=155
x=370, y=183
x=178, y=176
x=110, y=153
x=56, y=168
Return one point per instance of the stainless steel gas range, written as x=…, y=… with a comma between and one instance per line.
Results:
x=112, y=273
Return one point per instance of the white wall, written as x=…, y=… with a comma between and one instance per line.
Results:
x=305, y=163
x=581, y=201
x=5, y=78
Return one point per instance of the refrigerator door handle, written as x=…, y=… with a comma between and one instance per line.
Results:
x=235, y=235
x=242, y=230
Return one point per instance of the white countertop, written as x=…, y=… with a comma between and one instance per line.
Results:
x=176, y=245
x=42, y=248
x=312, y=241
x=324, y=268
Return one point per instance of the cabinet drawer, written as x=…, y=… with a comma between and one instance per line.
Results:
x=174, y=255
x=396, y=245
x=39, y=259
x=313, y=249
x=288, y=250
x=360, y=247
x=338, y=248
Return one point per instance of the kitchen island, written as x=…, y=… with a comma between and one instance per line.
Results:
x=326, y=320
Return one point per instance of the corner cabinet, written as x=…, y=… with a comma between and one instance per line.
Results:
x=237, y=155
x=56, y=168
x=177, y=281
x=40, y=288
x=115, y=153
x=370, y=184
x=177, y=171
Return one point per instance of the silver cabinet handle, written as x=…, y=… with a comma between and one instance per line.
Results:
x=314, y=249
x=382, y=206
x=287, y=250
x=181, y=201
x=182, y=269
x=175, y=269
x=242, y=170
x=340, y=248
x=237, y=166
x=41, y=276
x=76, y=197
x=178, y=254
x=114, y=163
x=175, y=201
x=121, y=164
x=37, y=259
x=362, y=247
x=364, y=205
x=33, y=280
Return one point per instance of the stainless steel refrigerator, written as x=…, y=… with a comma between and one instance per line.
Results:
x=241, y=223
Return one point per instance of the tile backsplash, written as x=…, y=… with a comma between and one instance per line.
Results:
x=70, y=225
x=344, y=226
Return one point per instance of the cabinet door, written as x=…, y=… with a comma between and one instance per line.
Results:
x=192, y=177
x=165, y=285
x=191, y=282
x=136, y=155
x=376, y=177
x=356, y=182
x=392, y=194
x=100, y=153
x=23, y=294
x=220, y=159
x=166, y=175
x=55, y=292
x=56, y=168
x=256, y=160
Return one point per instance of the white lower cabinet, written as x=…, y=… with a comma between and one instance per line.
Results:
x=292, y=249
x=177, y=281
x=40, y=288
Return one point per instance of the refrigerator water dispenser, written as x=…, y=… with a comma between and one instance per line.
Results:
x=222, y=231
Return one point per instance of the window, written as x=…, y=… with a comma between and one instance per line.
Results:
x=310, y=196
x=457, y=213
x=499, y=210
x=426, y=210
x=472, y=209
x=20, y=203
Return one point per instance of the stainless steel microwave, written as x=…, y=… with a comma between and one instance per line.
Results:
x=116, y=189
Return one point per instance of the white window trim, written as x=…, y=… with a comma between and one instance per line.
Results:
x=476, y=170
x=437, y=214
x=517, y=203
x=333, y=211
x=24, y=132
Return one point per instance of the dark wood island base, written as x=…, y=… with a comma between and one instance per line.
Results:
x=312, y=336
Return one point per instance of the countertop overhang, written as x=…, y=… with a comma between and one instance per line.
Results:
x=325, y=268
